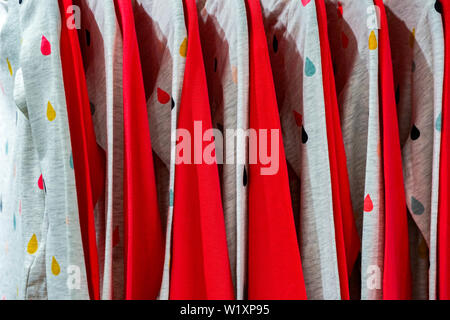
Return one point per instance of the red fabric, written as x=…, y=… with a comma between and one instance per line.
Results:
x=274, y=264
x=443, y=261
x=144, y=243
x=347, y=239
x=397, y=271
x=200, y=264
x=88, y=157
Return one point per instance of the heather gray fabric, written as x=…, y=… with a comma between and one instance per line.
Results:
x=224, y=36
x=101, y=45
x=14, y=136
x=293, y=37
x=161, y=33
x=417, y=42
x=353, y=34
x=41, y=215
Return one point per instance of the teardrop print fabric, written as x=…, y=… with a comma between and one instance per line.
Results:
x=102, y=53
x=225, y=48
x=347, y=239
x=46, y=141
x=443, y=233
x=357, y=67
x=220, y=150
x=416, y=39
x=301, y=90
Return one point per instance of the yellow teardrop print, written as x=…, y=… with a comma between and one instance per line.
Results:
x=9, y=67
x=51, y=113
x=32, y=245
x=56, y=269
x=412, y=38
x=373, y=41
x=183, y=48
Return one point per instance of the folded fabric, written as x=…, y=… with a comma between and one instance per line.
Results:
x=347, y=238
x=224, y=36
x=274, y=264
x=161, y=31
x=144, y=242
x=200, y=267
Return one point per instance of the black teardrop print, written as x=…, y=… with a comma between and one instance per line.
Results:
x=245, y=182
x=275, y=44
x=304, y=136
x=415, y=133
x=172, y=104
x=438, y=6
x=92, y=108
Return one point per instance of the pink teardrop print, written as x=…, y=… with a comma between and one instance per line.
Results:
x=305, y=2
x=368, y=204
x=46, y=48
x=41, y=182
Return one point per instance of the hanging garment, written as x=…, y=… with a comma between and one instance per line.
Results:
x=354, y=51
x=417, y=43
x=347, y=238
x=101, y=45
x=224, y=36
x=45, y=210
x=200, y=266
x=443, y=255
x=162, y=40
x=87, y=156
x=300, y=97
x=397, y=271
x=15, y=140
x=274, y=264
x=144, y=243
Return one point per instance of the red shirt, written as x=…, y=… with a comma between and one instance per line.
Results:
x=88, y=158
x=274, y=264
x=443, y=254
x=200, y=264
x=397, y=271
x=144, y=243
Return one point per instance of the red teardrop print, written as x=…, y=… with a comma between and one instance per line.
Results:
x=163, y=97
